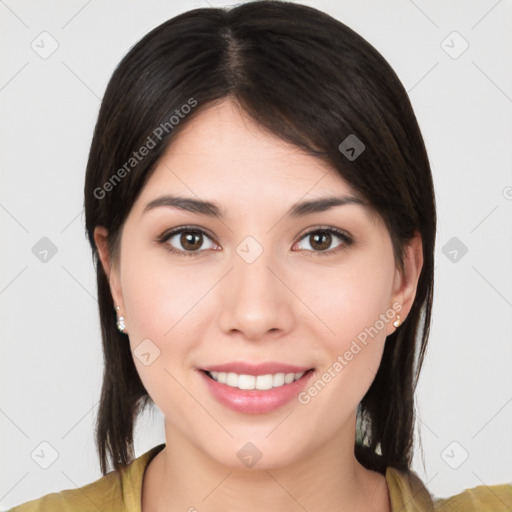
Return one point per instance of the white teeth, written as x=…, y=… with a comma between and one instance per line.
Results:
x=278, y=380
x=260, y=382
x=264, y=382
x=232, y=379
x=246, y=381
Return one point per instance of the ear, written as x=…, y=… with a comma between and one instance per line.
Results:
x=406, y=282
x=111, y=270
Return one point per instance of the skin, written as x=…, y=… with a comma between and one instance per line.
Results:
x=292, y=304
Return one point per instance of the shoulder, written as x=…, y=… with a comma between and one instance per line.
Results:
x=102, y=494
x=409, y=494
x=483, y=498
x=117, y=491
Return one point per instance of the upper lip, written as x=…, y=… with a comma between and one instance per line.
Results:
x=245, y=368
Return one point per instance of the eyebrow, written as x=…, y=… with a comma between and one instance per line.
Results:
x=210, y=209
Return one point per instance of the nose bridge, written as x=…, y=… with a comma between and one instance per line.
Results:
x=255, y=300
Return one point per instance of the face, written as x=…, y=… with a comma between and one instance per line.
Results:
x=262, y=288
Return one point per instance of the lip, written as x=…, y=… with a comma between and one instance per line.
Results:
x=255, y=401
x=244, y=368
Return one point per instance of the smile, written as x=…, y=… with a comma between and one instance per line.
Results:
x=260, y=382
x=274, y=386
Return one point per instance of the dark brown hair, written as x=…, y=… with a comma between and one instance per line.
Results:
x=312, y=81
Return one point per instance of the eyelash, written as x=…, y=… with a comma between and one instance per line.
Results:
x=347, y=240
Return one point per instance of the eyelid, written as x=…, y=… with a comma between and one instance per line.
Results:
x=174, y=231
x=337, y=231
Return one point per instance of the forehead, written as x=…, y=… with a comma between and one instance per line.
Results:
x=222, y=148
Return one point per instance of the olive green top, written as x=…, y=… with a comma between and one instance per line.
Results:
x=121, y=490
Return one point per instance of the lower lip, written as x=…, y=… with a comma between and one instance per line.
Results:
x=255, y=401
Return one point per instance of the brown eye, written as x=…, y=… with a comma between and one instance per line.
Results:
x=186, y=241
x=320, y=240
x=191, y=240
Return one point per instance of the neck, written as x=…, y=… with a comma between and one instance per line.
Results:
x=184, y=478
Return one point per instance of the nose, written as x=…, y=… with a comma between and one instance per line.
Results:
x=256, y=299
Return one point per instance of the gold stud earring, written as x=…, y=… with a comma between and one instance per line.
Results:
x=397, y=322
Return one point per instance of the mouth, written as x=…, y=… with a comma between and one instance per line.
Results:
x=254, y=389
x=256, y=382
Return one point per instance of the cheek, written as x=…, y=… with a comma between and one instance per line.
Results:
x=358, y=312
x=163, y=308
x=357, y=298
x=167, y=305
x=160, y=298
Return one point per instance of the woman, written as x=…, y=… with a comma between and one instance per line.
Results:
x=261, y=210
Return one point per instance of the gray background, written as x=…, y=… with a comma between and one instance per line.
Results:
x=51, y=362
